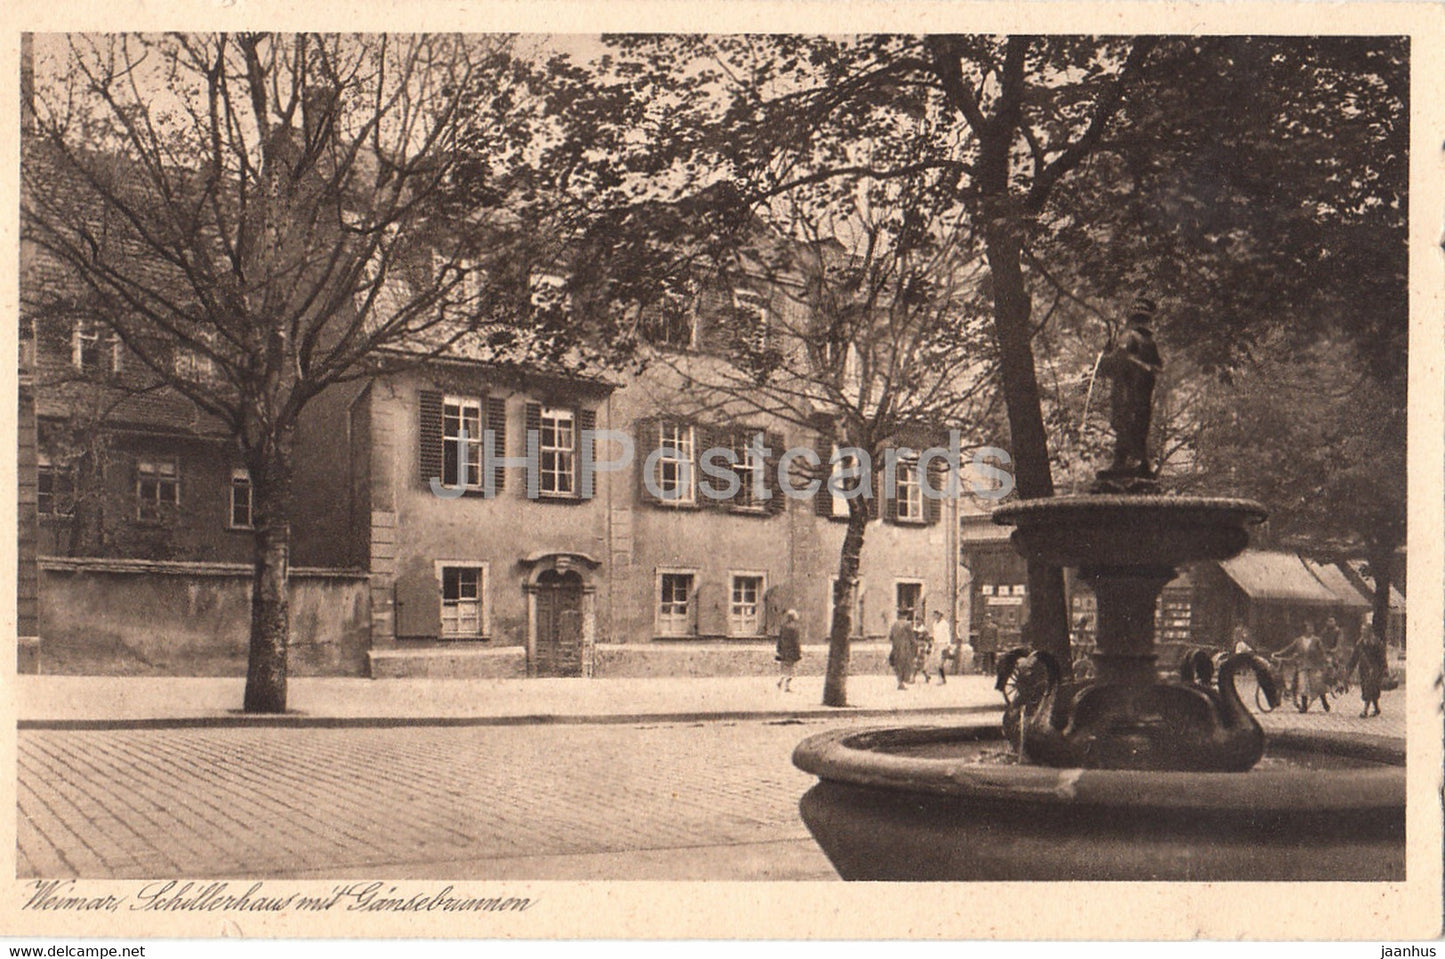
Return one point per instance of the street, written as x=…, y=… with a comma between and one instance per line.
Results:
x=680, y=800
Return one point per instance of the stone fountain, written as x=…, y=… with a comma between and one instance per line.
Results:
x=1128, y=775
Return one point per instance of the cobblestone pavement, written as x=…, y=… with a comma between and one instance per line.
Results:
x=413, y=802
x=662, y=801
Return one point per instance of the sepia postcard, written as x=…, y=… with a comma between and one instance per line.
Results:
x=743, y=470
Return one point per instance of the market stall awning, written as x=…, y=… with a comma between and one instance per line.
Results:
x=1361, y=569
x=1338, y=583
x=1277, y=578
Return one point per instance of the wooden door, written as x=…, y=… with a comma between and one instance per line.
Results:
x=559, y=624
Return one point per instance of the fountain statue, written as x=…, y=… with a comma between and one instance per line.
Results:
x=1128, y=774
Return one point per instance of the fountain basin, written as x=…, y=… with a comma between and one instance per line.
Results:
x=1130, y=530
x=934, y=804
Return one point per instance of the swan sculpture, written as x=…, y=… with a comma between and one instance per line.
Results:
x=1104, y=725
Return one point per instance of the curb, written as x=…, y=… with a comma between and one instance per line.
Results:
x=240, y=720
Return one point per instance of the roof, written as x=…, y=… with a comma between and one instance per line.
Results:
x=1338, y=583
x=1277, y=578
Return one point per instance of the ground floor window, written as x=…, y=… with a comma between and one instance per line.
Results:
x=158, y=485
x=674, y=596
x=462, y=590
x=908, y=599
x=240, y=499
x=744, y=612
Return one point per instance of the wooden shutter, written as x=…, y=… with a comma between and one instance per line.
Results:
x=418, y=604
x=497, y=423
x=933, y=505
x=778, y=502
x=705, y=438
x=645, y=430
x=823, y=500
x=586, y=422
x=713, y=601
x=532, y=426
x=692, y=606
x=429, y=433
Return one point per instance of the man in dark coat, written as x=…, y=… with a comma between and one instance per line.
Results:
x=902, y=649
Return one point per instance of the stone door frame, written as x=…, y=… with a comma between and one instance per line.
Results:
x=562, y=562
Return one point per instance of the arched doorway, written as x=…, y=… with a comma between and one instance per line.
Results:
x=559, y=623
x=561, y=613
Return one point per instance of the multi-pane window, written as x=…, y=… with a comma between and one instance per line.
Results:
x=462, y=602
x=909, y=600
x=676, y=464
x=92, y=350
x=909, y=492
x=558, y=451
x=240, y=499
x=158, y=485
x=53, y=489
x=674, y=593
x=461, y=442
x=744, y=612
x=745, y=446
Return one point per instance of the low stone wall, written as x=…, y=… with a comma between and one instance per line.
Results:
x=457, y=662
x=132, y=617
x=640, y=660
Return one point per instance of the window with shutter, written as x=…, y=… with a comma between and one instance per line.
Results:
x=461, y=442
x=907, y=497
x=676, y=469
x=557, y=450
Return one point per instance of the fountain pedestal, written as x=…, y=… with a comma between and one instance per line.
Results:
x=1151, y=780
x=1127, y=548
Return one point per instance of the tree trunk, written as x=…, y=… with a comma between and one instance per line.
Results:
x=1048, y=623
x=1380, y=555
x=835, y=682
x=266, y=668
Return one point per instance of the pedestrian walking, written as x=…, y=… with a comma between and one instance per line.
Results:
x=1309, y=660
x=901, y=649
x=1369, y=658
x=942, y=639
x=790, y=650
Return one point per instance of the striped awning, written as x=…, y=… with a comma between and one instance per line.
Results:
x=1278, y=578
